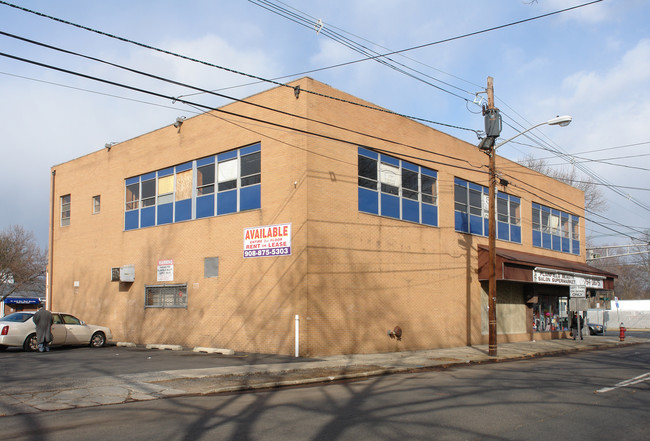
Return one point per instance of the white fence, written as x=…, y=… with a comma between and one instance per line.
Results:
x=634, y=314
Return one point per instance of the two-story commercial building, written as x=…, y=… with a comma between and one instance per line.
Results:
x=307, y=206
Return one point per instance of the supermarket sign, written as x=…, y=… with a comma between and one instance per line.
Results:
x=269, y=240
x=556, y=277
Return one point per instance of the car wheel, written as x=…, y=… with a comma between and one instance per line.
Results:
x=31, y=343
x=97, y=340
x=2, y=348
x=592, y=332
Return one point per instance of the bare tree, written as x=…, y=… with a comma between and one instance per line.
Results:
x=594, y=196
x=22, y=262
x=633, y=270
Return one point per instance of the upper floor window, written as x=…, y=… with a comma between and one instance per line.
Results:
x=96, y=204
x=472, y=209
x=399, y=189
x=555, y=230
x=225, y=183
x=65, y=210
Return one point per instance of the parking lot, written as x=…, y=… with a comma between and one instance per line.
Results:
x=28, y=370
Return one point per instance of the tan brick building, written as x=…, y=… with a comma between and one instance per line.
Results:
x=371, y=221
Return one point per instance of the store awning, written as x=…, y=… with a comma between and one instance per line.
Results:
x=534, y=268
x=22, y=301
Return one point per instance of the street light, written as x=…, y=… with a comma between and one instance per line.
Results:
x=490, y=146
x=561, y=121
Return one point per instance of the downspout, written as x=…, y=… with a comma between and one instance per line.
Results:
x=50, y=278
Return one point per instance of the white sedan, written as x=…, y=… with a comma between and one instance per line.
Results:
x=18, y=329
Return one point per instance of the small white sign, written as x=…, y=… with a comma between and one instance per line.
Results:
x=578, y=291
x=165, y=271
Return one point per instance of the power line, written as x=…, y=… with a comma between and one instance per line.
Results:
x=211, y=108
x=227, y=69
x=567, y=157
x=359, y=48
x=290, y=128
x=604, y=149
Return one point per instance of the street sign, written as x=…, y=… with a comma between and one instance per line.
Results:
x=578, y=304
x=578, y=291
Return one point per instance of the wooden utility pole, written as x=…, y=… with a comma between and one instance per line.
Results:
x=492, y=279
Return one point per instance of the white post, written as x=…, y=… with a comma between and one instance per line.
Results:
x=297, y=335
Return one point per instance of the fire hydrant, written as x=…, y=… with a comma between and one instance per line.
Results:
x=621, y=333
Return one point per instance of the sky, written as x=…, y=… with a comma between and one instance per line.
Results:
x=591, y=62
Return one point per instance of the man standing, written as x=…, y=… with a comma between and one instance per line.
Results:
x=43, y=321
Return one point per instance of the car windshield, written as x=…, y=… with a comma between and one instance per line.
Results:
x=17, y=317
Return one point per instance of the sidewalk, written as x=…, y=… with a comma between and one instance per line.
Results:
x=154, y=385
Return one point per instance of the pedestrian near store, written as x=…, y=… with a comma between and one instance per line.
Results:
x=43, y=321
x=574, y=325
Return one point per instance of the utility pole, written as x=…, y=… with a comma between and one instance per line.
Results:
x=488, y=145
x=492, y=132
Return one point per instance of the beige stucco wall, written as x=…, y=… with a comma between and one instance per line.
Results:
x=351, y=276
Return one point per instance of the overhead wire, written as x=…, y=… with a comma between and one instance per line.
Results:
x=556, y=150
x=308, y=22
x=227, y=69
x=269, y=123
x=221, y=110
x=261, y=79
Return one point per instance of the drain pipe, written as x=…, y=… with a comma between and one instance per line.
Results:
x=50, y=274
x=297, y=339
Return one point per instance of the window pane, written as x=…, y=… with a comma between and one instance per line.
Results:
x=410, y=180
x=250, y=164
x=555, y=224
x=170, y=296
x=148, y=189
x=390, y=189
x=502, y=210
x=96, y=204
x=205, y=175
x=428, y=185
x=184, y=185
x=475, y=202
x=367, y=183
x=546, y=228
x=166, y=185
x=565, y=227
x=536, y=220
x=165, y=199
x=132, y=196
x=250, y=180
x=227, y=170
x=390, y=175
x=205, y=190
x=65, y=210
x=460, y=198
x=227, y=185
x=410, y=194
x=515, y=216
x=368, y=168
x=575, y=230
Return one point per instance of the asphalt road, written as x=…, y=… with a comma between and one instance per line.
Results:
x=574, y=397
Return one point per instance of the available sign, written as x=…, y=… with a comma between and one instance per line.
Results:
x=269, y=240
x=165, y=271
x=564, y=278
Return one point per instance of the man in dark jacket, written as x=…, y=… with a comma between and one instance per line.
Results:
x=574, y=325
x=43, y=321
